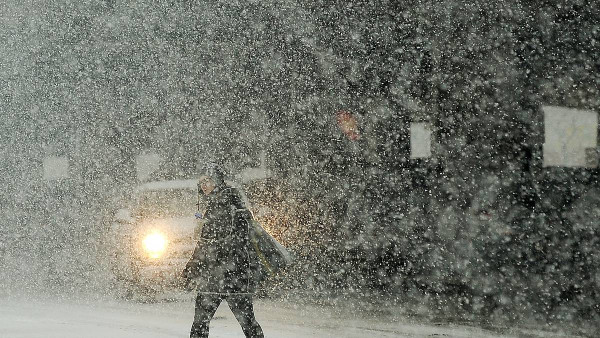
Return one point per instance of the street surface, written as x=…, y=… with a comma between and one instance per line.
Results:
x=116, y=319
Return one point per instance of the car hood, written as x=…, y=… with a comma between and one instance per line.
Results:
x=173, y=226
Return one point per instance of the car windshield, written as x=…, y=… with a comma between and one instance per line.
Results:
x=166, y=203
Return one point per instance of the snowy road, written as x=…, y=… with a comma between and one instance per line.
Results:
x=68, y=319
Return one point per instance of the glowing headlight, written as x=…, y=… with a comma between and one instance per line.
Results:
x=155, y=244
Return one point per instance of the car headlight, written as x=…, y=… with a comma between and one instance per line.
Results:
x=155, y=244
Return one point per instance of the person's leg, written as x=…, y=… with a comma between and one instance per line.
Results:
x=206, y=306
x=241, y=306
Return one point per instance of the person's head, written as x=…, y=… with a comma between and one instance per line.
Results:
x=206, y=184
x=212, y=177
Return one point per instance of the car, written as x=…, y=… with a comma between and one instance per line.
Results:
x=152, y=239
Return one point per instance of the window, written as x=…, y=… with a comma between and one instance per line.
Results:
x=420, y=140
x=571, y=137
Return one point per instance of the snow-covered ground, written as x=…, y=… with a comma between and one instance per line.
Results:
x=105, y=318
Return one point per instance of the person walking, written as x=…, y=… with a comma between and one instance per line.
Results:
x=222, y=265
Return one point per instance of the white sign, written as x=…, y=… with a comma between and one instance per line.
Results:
x=146, y=164
x=420, y=140
x=56, y=167
x=571, y=137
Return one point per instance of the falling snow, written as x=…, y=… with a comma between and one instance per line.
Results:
x=434, y=162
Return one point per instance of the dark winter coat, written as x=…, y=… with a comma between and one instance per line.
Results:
x=222, y=262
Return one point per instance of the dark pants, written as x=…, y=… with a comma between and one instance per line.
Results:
x=240, y=305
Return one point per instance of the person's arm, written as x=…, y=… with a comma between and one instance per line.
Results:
x=193, y=266
x=240, y=216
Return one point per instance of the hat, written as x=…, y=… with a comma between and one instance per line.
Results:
x=214, y=172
